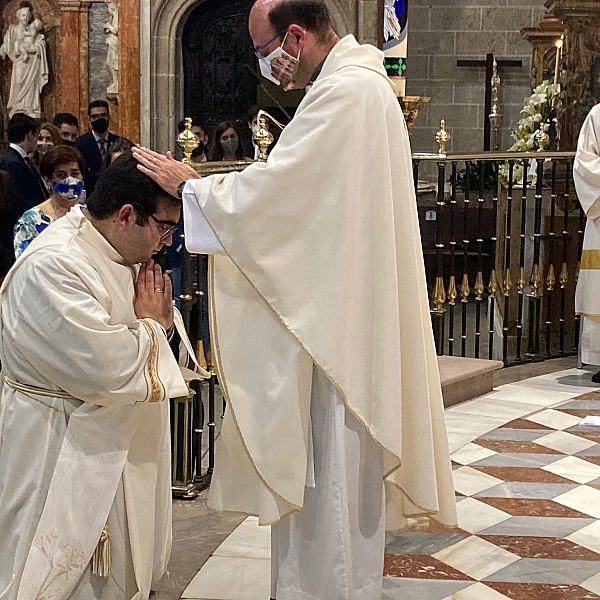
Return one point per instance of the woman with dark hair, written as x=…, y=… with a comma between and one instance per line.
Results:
x=61, y=169
x=226, y=145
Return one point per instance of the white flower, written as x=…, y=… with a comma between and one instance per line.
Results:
x=537, y=118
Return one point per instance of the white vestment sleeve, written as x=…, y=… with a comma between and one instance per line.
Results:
x=71, y=339
x=199, y=237
x=586, y=168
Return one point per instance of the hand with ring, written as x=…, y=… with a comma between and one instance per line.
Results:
x=153, y=295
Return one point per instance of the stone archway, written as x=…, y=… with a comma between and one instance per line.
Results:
x=162, y=23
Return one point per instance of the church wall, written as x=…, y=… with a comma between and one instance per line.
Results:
x=162, y=64
x=442, y=31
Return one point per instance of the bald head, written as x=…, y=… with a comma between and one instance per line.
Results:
x=305, y=25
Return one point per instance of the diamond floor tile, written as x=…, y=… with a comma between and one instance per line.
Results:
x=543, y=570
x=575, y=469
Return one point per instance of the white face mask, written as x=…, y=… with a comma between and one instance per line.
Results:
x=280, y=67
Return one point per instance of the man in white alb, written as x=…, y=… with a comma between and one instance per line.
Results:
x=586, y=175
x=334, y=426
x=85, y=486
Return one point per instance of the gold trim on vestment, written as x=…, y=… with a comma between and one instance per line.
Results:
x=590, y=259
x=28, y=390
x=156, y=393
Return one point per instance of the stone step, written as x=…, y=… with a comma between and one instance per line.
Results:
x=466, y=378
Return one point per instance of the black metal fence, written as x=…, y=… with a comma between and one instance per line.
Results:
x=496, y=229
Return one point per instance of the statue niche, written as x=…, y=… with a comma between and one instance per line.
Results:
x=24, y=45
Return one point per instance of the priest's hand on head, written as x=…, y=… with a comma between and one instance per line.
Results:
x=154, y=295
x=164, y=169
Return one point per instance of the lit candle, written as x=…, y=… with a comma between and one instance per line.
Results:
x=559, y=45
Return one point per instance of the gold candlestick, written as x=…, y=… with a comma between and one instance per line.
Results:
x=263, y=138
x=187, y=141
x=442, y=137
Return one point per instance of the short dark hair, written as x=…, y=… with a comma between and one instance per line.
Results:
x=98, y=104
x=123, y=183
x=60, y=155
x=19, y=126
x=118, y=147
x=66, y=118
x=312, y=15
x=195, y=123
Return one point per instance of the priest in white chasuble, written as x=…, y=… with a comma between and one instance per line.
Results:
x=586, y=175
x=334, y=427
x=85, y=486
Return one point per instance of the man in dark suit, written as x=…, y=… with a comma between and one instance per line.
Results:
x=29, y=189
x=95, y=144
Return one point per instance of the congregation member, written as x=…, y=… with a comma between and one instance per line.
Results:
x=226, y=145
x=95, y=144
x=335, y=423
x=88, y=372
x=48, y=137
x=29, y=188
x=62, y=171
x=199, y=154
x=586, y=175
x=68, y=127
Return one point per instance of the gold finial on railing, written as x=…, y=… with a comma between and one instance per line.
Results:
x=521, y=282
x=452, y=292
x=507, y=284
x=535, y=281
x=551, y=279
x=541, y=137
x=187, y=141
x=493, y=284
x=563, y=278
x=479, y=287
x=442, y=137
x=439, y=295
x=465, y=290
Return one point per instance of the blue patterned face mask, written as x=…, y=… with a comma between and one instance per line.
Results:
x=69, y=188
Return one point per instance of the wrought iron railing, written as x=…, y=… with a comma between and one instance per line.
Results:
x=499, y=240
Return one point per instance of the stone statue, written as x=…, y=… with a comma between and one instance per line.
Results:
x=111, y=29
x=25, y=46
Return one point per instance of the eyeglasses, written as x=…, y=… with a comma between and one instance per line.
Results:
x=258, y=50
x=167, y=227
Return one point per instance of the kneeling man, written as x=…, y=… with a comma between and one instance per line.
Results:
x=85, y=498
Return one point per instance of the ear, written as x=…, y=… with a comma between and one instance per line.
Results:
x=48, y=183
x=296, y=33
x=126, y=216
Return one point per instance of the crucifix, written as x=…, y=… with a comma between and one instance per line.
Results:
x=488, y=63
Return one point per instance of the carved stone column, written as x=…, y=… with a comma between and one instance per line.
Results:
x=581, y=62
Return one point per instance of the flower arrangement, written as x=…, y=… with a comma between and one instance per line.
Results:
x=538, y=112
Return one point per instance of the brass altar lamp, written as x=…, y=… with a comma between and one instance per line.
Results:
x=187, y=141
x=263, y=138
x=411, y=106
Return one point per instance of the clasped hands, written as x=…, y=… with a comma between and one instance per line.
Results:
x=154, y=295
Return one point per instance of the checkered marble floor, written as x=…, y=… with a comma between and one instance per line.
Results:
x=528, y=499
x=527, y=480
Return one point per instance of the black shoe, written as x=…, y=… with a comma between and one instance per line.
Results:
x=596, y=377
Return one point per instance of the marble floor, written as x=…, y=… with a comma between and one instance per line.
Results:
x=527, y=480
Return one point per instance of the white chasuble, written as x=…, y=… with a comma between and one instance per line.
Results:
x=322, y=264
x=95, y=449
x=586, y=175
